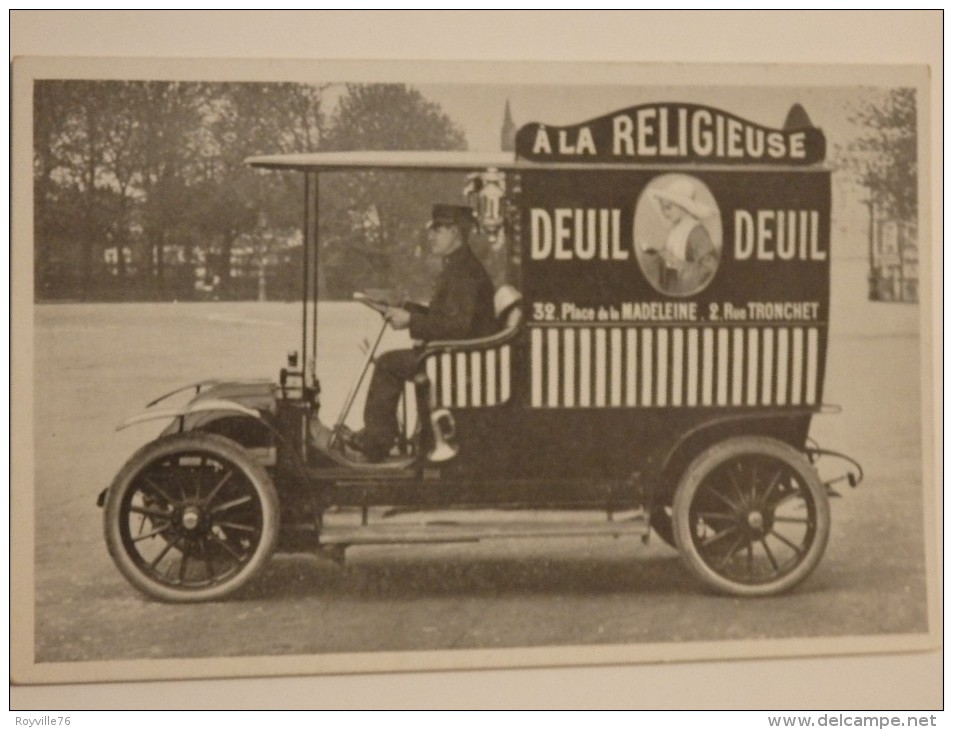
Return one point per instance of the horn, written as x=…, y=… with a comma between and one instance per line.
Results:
x=445, y=445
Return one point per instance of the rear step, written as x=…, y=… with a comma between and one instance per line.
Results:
x=472, y=527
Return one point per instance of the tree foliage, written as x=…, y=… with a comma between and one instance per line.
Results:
x=372, y=222
x=884, y=155
x=138, y=185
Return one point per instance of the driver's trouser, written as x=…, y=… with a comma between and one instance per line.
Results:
x=391, y=371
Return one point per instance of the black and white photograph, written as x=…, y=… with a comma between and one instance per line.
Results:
x=343, y=367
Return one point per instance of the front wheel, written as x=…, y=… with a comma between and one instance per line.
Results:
x=751, y=517
x=191, y=517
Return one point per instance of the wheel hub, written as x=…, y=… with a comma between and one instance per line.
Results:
x=755, y=520
x=191, y=517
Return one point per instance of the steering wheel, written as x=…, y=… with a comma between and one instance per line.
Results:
x=377, y=305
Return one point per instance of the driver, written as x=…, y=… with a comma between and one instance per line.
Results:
x=461, y=308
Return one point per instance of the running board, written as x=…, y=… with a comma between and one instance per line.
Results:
x=470, y=528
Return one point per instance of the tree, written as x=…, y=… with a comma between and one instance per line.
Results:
x=171, y=118
x=244, y=119
x=884, y=156
x=157, y=168
x=50, y=109
x=371, y=222
x=73, y=181
x=883, y=159
x=119, y=163
x=123, y=154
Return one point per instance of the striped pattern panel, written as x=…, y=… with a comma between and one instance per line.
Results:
x=471, y=379
x=614, y=367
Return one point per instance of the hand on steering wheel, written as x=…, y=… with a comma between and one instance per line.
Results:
x=377, y=305
x=399, y=318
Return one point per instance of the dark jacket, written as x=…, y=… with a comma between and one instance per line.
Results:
x=462, y=305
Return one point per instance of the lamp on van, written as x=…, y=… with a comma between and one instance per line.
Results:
x=484, y=192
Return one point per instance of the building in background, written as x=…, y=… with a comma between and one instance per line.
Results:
x=894, y=261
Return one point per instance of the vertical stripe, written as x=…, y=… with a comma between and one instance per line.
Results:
x=752, y=367
x=767, y=366
x=691, y=388
x=460, y=376
x=491, y=398
x=446, y=380
x=708, y=355
x=432, y=376
x=600, y=367
x=661, y=392
x=723, y=366
x=615, y=367
x=630, y=366
x=409, y=407
x=476, y=378
x=797, y=366
x=505, y=374
x=569, y=374
x=783, y=357
x=553, y=361
x=536, y=360
x=585, y=367
x=737, y=366
x=812, y=355
x=678, y=364
x=432, y=371
x=646, y=367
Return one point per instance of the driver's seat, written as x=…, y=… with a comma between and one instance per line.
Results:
x=506, y=305
x=476, y=373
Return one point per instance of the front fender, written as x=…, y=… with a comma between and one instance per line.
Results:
x=241, y=410
x=229, y=397
x=196, y=407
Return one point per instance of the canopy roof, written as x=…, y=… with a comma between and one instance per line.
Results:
x=381, y=159
x=465, y=161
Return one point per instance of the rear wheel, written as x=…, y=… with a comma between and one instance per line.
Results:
x=191, y=518
x=751, y=516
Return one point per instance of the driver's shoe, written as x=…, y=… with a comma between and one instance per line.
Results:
x=353, y=455
x=319, y=434
x=356, y=447
x=358, y=441
x=324, y=439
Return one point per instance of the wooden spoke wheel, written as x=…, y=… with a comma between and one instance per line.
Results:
x=191, y=517
x=751, y=517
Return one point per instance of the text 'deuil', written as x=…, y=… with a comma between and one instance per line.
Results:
x=785, y=235
x=585, y=234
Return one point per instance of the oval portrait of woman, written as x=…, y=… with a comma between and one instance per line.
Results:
x=677, y=234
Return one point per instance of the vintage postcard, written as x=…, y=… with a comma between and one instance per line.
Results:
x=361, y=367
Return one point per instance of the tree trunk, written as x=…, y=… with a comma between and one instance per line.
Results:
x=225, y=263
x=47, y=118
x=89, y=232
x=121, y=234
x=158, y=249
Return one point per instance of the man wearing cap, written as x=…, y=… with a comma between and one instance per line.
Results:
x=461, y=308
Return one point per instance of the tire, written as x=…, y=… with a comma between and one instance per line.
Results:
x=191, y=518
x=751, y=517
